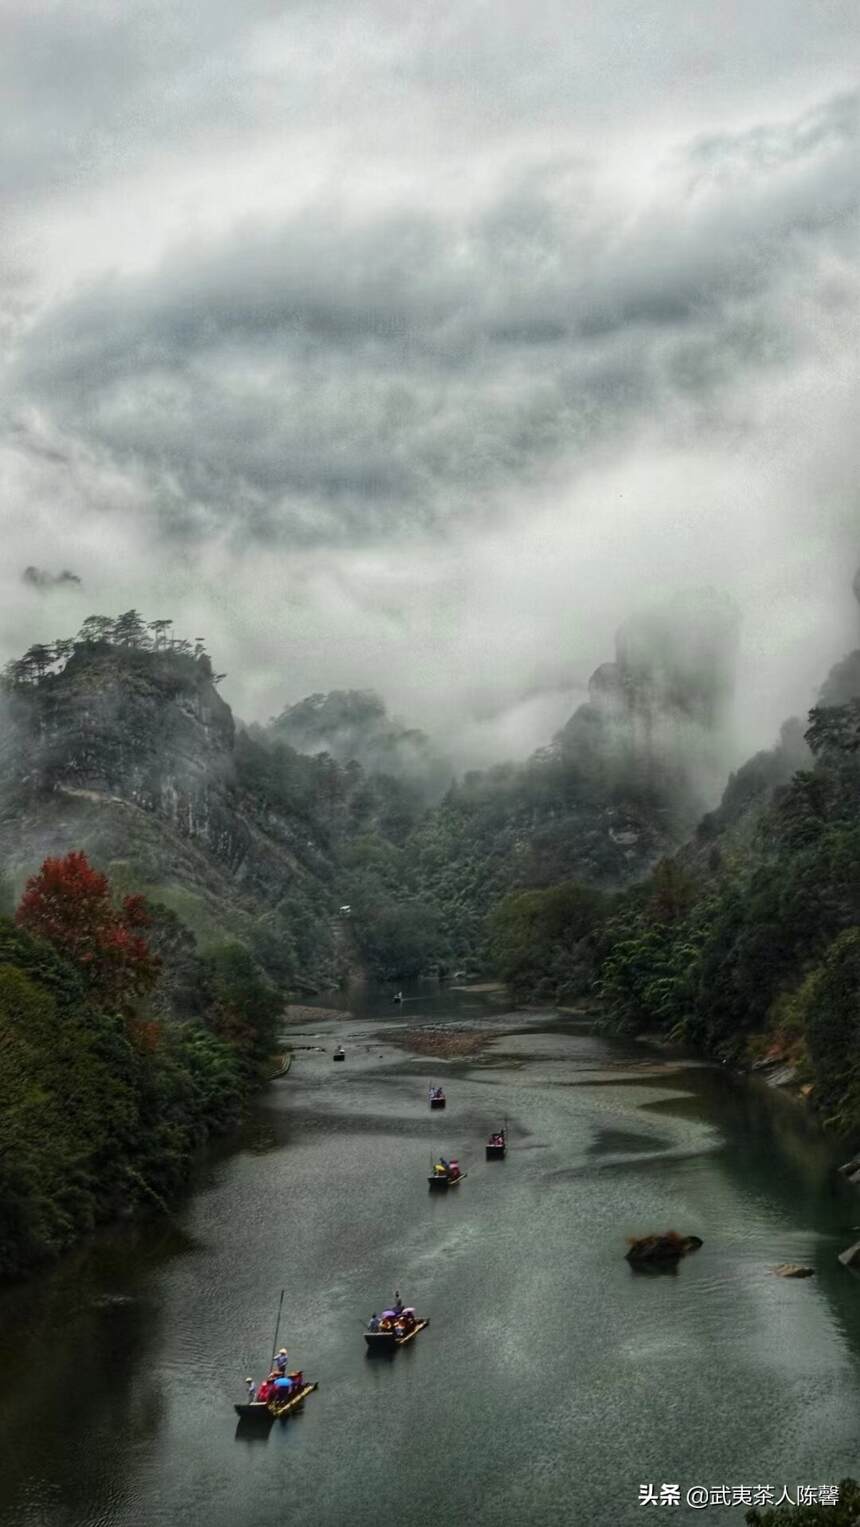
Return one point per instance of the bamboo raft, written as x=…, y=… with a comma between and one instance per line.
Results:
x=386, y=1341
x=255, y=1411
x=281, y=1411
x=436, y=1180
x=267, y=1412
x=264, y=1412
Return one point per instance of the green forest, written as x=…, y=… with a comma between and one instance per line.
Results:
x=743, y=945
x=143, y=969
x=102, y=1105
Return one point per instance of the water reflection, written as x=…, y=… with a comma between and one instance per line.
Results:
x=654, y=1269
x=76, y=1361
x=554, y=1376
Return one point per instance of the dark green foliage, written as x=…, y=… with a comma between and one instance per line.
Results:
x=92, y=1122
x=243, y=1007
x=40, y=961
x=542, y=942
x=835, y=729
x=763, y=946
x=128, y=630
x=530, y=827
x=283, y=778
x=397, y=939
x=845, y=1513
x=828, y=1009
x=181, y=989
x=754, y=783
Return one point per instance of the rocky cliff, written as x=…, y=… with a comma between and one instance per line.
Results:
x=118, y=743
x=620, y=786
x=133, y=756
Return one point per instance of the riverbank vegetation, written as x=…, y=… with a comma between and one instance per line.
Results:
x=105, y=1094
x=752, y=948
x=124, y=1041
x=745, y=945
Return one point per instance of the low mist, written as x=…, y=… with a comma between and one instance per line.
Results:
x=428, y=393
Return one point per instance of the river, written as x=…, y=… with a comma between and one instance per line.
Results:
x=552, y=1382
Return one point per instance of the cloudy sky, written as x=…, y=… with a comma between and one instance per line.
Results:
x=415, y=346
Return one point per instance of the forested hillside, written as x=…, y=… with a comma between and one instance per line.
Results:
x=745, y=944
x=757, y=949
x=103, y=1101
x=353, y=726
x=242, y=871
x=117, y=741
x=621, y=785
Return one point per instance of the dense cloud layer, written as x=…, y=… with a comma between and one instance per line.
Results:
x=415, y=351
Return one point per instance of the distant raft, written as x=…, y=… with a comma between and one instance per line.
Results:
x=437, y=1097
x=496, y=1146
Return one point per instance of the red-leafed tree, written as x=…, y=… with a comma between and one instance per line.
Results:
x=69, y=904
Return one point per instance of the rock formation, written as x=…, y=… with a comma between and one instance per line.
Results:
x=668, y=1247
x=132, y=755
x=659, y=711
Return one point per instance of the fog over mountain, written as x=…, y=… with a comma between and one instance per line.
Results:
x=417, y=350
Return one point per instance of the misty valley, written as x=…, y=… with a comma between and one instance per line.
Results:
x=193, y=906
x=429, y=764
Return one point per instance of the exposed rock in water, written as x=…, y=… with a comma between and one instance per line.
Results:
x=444, y=1044
x=775, y=1072
x=296, y=1012
x=793, y=1270
x=667, y=1247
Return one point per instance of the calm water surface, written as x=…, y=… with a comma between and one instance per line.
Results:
x=552, y=1380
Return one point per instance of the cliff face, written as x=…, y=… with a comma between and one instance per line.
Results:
x=620, y=786
x=657, y=716
x=128, y=752
x=132, y=756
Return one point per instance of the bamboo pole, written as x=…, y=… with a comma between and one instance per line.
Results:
x=277, y=1329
